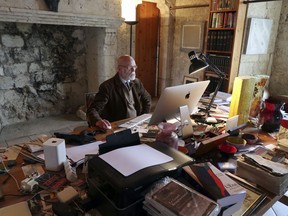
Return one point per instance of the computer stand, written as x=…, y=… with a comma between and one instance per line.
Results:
x=186, y=123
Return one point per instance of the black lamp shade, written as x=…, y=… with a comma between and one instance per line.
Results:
x=196, y=63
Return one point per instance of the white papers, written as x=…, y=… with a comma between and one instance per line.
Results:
x=20, y=208
x=232, y=123
x=77, y=153
x=128, y=160
x=222, y=95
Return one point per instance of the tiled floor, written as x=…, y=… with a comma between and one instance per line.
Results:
x=27, y=131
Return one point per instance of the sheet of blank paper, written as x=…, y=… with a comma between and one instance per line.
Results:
x=128, y=160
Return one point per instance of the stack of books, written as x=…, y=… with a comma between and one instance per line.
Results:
x=170, y=198
x=217, y=185
x=268, y=170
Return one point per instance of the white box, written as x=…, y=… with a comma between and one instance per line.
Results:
x=54, y=154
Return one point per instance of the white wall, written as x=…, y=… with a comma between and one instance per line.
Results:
x=279, y=78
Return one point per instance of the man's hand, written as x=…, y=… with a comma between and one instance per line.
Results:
x=104, y=124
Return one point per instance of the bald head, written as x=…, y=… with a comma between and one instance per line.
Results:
x=125, y=60
x=126, y=67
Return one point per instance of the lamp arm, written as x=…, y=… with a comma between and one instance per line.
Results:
x=221, y=76
x=212, y=66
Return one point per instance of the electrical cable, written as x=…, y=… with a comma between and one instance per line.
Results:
x=7, y=171
x=78, y=207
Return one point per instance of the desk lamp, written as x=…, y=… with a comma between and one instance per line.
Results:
x=200, y=62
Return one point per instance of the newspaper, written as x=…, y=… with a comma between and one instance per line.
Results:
x=275, y=168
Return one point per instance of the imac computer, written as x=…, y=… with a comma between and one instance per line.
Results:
x=175, y=98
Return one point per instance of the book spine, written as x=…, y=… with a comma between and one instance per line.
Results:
x=242, y=95
x=230, y=185
x=209, y=41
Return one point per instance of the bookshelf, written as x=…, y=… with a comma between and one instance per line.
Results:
x=224, y=40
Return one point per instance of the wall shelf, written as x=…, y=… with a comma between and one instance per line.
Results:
x=224, y=39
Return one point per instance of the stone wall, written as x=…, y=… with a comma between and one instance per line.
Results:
x=42, y=70
x=92, y=7
x=279, y=78
x=26, y=97
x=47, y=69
x=188, y=15
x=262, y=63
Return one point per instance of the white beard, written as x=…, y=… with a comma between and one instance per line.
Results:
x=132, y=76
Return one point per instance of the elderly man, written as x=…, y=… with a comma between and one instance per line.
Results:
x=122, y=96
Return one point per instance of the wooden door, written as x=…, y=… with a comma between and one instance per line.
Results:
x=146, y=45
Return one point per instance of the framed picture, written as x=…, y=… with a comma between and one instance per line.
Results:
x=188, y=79
x=253, y=199
x=192, y=36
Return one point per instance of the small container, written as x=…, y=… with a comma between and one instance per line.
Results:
x=250, y=138
x=236, y=141
x=167, y=134
x=271, y=116
x=227, y=149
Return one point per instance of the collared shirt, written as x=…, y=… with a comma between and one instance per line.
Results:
x=126, y=83
x=131, y=111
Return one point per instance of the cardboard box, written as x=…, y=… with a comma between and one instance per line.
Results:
x=275, y=184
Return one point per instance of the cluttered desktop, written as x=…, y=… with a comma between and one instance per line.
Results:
x=140, y=165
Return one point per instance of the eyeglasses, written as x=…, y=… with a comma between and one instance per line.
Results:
x=129, y=67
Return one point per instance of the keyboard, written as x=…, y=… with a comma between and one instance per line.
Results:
x=136, y=121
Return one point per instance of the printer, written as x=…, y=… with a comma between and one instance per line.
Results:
x=116, y=194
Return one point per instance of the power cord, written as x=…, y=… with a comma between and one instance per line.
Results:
x=7, y=171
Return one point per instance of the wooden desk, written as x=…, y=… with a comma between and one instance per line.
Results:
x=100, y=136
x=10, y=187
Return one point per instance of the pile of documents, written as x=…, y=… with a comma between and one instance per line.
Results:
x=170, y=198
x=271, y=174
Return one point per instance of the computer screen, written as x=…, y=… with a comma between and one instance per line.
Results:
x=172, y=98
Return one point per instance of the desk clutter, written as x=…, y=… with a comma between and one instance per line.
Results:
x=104, y=175
x=170, y=197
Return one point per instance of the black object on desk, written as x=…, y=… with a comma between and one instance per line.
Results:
x=63, y=209
x=120, y=139
x=79, y=139
x=120, y=195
